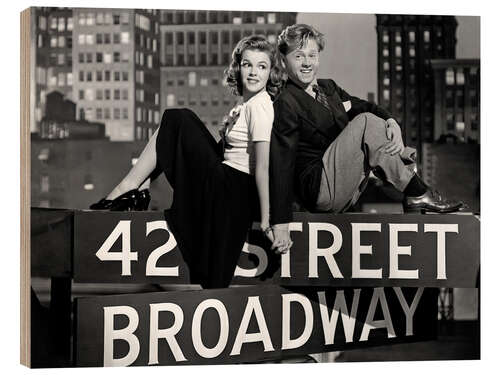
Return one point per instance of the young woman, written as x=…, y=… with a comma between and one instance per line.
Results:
x=217, y=187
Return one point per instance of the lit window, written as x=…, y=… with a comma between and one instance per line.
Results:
x=398, y=51
x=192, y=79
x=386, y=66
x=411, y=36
x=150, y=61
x=53, y=41
x=450, y=77
x=385, y=37
x=385, y=52
x=427, y=36
x=107, y=58
x=271, y=38
x=170, y=100
x=60, y=59
x=60, y=24
x=387, y=81
x=386, y=95
x=157, y=98
x=42, y=23
x=62, y=41
x=237, y=20
x=397, y=37
x=271, y=18
x=261, y=20
x=81, y=19
x=125, y=37
x=89, y=94
x=69, y=79
x=412, y=52
x=90, y=19
x=203, y=82
x=89, y=39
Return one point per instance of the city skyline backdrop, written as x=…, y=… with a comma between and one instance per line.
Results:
x=350, y=55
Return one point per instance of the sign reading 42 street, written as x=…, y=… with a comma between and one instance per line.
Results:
x=329, y=250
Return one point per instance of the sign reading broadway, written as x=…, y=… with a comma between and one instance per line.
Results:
x=246, y=324
x=329, y=250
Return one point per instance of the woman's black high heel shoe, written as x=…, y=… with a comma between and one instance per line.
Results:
x=144, y=199
x=103, y=204
x=126, y=202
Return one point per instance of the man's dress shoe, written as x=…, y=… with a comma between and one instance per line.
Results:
x=432, y=201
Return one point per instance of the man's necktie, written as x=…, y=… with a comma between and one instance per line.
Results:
x=321, y=97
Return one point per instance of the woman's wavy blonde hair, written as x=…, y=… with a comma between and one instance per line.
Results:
x=232, y=74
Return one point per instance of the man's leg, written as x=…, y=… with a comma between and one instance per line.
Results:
x=347, y=161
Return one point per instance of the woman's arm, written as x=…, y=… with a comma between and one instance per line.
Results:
x=262, y=180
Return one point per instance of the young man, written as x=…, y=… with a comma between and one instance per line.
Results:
x=325, y=142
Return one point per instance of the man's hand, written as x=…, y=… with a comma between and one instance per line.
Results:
x=396, y=145
x=282, y=241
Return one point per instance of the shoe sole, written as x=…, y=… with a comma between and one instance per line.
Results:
x=424, y=209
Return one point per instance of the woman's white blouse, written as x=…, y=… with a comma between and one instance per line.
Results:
x=254, y=124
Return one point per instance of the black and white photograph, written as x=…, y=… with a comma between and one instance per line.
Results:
x=222, y=186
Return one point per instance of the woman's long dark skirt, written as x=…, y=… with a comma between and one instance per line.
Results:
x=213, y=204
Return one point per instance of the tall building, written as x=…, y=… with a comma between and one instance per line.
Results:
x=457, y=99
x=116, y=70
x=196, y=47
x=52, y=65
x=406, y=43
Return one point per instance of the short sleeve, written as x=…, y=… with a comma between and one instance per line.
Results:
x=260, y=117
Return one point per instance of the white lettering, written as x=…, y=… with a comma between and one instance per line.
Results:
x=127, y=334
x=287, y=342
x=167, y=333
x=126, y=255
x=441, y=230
x=409, y=311
x=328, y=252
x=261, y=265
x=358, y=249
x=253, y=306
x=378, y=295
x=200, y=348
x=348, y=320
x=151, y=268
x=395, y=251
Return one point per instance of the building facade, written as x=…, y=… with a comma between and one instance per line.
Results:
x=406, y=44
x=116, y=68
x=52, y=66
x=457, y=99
x=196, y=47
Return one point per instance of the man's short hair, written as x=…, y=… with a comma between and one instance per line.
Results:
x=296, y=36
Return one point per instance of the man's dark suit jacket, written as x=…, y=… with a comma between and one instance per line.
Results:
x=302, y=131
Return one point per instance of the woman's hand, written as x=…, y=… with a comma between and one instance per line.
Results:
x=396, y=145
x=282, y=241
x=268, y=231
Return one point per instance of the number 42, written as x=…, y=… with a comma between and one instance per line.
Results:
x=126, y=255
